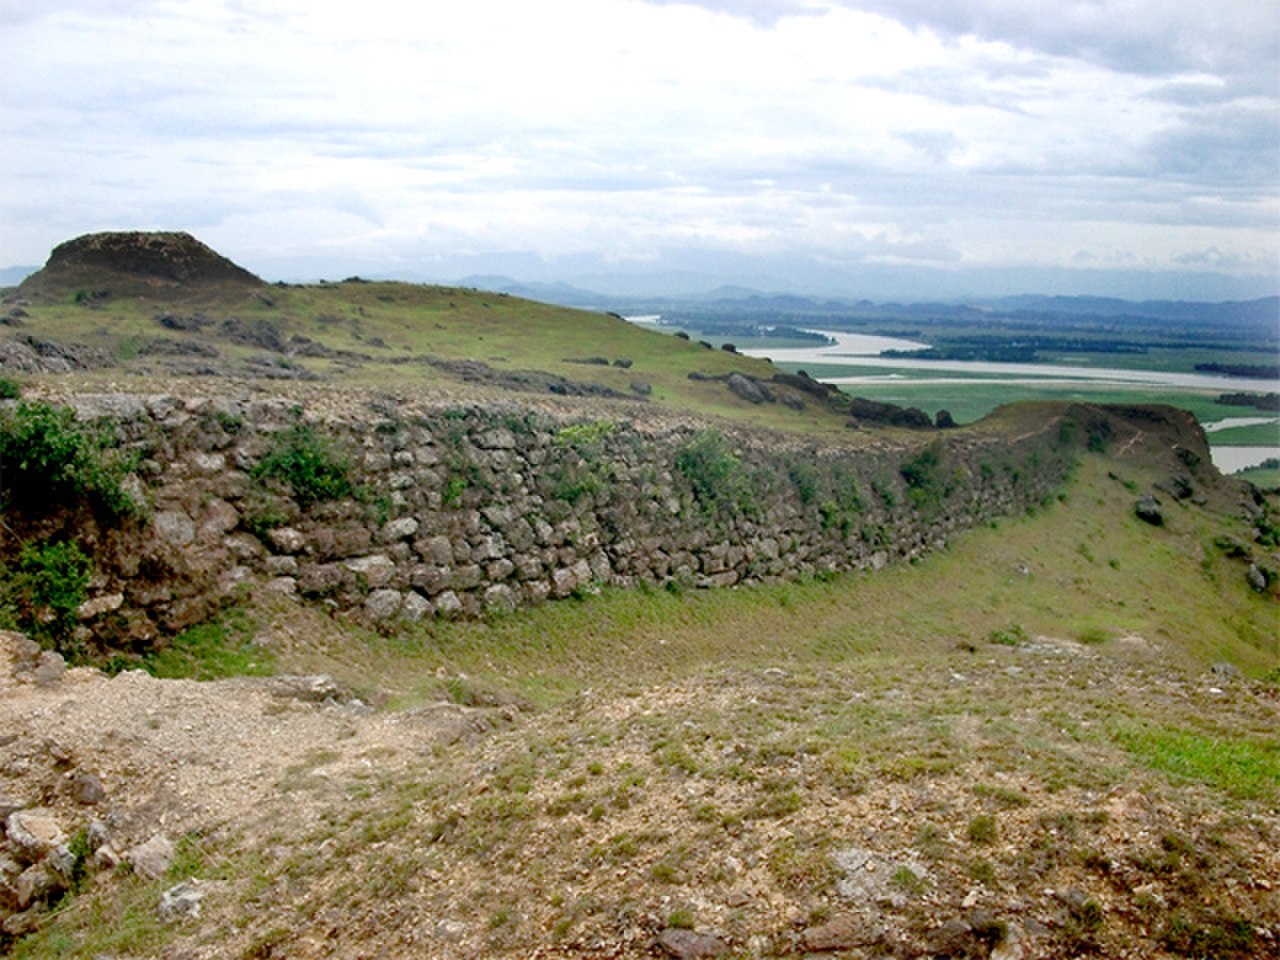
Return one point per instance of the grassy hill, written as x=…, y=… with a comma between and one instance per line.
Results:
x=124, y=315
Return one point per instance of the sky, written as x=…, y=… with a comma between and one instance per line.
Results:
x=913, y=148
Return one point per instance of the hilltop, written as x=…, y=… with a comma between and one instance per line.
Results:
x=103, y=266
x=372, y=619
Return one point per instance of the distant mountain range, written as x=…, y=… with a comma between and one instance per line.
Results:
x=1262, y=313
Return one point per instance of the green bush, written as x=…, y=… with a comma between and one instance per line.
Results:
x=42, y=591
x=308, y=464
x=719, y=481
x=47, y=458
x=10, y=389
x=923, y=475
x=1015, y=635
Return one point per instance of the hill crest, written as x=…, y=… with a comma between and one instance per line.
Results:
x=134, y=263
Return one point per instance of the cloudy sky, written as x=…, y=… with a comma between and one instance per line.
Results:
x=874, y=147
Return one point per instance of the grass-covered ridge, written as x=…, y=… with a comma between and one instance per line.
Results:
x=391, y=335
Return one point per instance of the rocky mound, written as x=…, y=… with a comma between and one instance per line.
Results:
x=98, y=266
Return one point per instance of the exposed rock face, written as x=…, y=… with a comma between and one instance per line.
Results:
x=171, y=256
x=753, y=391
x=873, y=411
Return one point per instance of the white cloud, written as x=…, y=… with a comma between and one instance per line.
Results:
x=856, y=131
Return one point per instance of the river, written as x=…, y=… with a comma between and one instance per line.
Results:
x=862, y=353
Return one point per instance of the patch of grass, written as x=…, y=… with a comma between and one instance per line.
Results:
x=211, y=651
x=681, y=919
x=982, y=829
x=1093, y=636
x=1240, y=767
x=1003, y=796
x=1014, y=635
x=1208, y=934
x=908, y=881
x=983, y=871
x=802, y=863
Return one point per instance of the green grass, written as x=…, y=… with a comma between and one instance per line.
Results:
x=211, y=651
x=1240, y=766
x=1255, y=435
x=1266, y=478
x=391, y=324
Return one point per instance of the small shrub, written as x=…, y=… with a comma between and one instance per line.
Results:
x=982, y=829
x=1002, y=795
x=43, y=591
x=1208, y=936
x=453, y=490
x=308, y=464
x=10, y=389
x=907, y=880
x=1012, y=636
x=924, y=478
x=1093, y=636
x=46, y=456
x=983, y=871
x=719, y=481
x=802, y=864
x=806, y=479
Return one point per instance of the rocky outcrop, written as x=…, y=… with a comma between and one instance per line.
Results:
x=95, y=267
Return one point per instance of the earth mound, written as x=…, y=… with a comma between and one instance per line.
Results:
x=99, y=266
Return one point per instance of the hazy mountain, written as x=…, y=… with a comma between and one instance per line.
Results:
x=12, y=276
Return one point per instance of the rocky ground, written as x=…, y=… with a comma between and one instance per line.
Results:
x=962, y=807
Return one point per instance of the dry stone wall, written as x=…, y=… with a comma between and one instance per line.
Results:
x=457, y=510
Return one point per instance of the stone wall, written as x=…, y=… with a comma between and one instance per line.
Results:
x=456, y=510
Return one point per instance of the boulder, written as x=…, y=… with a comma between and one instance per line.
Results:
x=840, y=933
x=309, y=688
x=374, y=570
x=753, y=391
x=151, y=859
x=1257, y=577
x=86, y=789
x=35, y=834
x=1148, y=510
x=174, y=527
x=689, y=945
x=383, y=604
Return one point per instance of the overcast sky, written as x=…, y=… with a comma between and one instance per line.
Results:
x=1095, y=146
